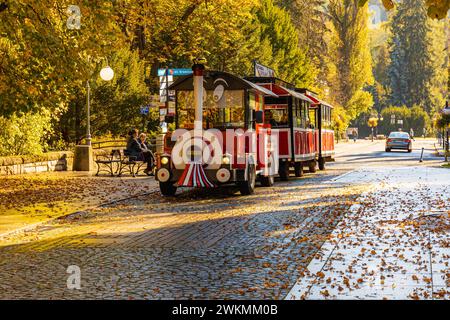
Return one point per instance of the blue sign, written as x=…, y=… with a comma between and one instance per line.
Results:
x=145, y=110
x=175, y=72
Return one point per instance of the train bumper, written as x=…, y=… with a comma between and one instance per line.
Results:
x=223, y=176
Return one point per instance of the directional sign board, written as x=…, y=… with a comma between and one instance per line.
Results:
x=165, y=82
x=175, y=72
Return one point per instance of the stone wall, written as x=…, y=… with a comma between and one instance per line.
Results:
x=53, y=161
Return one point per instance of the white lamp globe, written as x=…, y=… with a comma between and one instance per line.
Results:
x=107, y=73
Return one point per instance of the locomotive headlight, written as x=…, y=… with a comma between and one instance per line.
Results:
x=164, y=161
x=226, y=160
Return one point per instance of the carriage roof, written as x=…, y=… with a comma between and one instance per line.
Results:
x=212, y=78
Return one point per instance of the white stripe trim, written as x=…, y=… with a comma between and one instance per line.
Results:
x=188, y=175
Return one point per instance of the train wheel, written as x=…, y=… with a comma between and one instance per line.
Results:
x=167, y=189
x=298, y=167
x=248, y=187
x=312, y=166
x=284, y=170
x=267, y=181
x=322, y=164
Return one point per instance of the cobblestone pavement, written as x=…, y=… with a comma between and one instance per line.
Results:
x=197, y=246
x=34, y=198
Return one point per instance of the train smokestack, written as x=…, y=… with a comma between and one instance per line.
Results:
x=198, y=68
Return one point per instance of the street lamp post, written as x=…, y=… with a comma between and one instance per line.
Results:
x=88, y=125
x=106, y=74
x=83, y=156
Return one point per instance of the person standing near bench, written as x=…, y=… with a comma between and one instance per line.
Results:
x=135, y=150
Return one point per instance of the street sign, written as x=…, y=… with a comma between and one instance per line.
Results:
x=165, y=82
x=145, y=110
x=175, y=72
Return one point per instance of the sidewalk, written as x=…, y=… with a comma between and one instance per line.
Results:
x=29, y=200
x=395, y=244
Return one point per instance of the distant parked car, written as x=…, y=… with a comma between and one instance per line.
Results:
x=399, y=140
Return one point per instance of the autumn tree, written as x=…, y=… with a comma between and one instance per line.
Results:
x=350, y=56
x=289, y=58
x=417, y=71
x=310, y=19
x=43, y=60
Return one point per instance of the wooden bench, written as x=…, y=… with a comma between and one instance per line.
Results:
x=123, y=163
x=106, y=162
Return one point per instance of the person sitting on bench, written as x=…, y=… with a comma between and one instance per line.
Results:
x=134, y=150
x=146, y=147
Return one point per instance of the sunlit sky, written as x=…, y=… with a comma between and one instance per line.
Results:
x=378, y=14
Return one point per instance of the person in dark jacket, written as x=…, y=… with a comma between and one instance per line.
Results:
x=135, y=150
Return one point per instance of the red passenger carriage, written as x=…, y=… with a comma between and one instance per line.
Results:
x=302, y=123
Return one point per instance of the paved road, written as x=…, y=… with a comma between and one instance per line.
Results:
x=199, y=245
x=365, y=153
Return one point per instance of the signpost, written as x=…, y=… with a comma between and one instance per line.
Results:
x=164, y=93
x=166, y=96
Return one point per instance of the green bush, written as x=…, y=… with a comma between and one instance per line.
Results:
x=24, y=134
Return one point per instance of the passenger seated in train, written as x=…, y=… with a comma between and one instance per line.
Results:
x=269, y=119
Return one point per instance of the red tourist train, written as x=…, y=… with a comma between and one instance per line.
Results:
x=235, y=131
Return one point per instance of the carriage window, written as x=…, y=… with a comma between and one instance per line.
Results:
x=312, y=118
x=326, y=116
x=276, y=116
x=296, y=113
x=252, y=101
x=300, y=114
x=227, y=112
x=305, y=114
